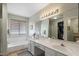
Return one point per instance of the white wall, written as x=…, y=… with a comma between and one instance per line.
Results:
x=31, y=28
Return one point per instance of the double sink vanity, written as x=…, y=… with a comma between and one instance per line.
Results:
x=52, y=47
x=60, y=30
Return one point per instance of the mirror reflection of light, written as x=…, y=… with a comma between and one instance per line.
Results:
x=69, y=21
x=55, y=18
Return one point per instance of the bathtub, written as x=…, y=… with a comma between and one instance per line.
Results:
x=17, y=42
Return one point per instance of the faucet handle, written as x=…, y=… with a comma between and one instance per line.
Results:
x=62, y=45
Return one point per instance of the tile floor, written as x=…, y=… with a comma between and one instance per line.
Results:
x=24, y=53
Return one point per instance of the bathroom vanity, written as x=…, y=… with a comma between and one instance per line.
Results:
x=53, y=47
x=60, y=28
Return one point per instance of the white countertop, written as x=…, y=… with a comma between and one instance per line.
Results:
x=70, y=48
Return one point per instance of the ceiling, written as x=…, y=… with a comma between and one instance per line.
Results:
x=25, y=9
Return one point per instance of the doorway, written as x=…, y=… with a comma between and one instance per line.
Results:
x=60, y=30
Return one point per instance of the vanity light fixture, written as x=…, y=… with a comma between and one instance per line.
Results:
x=49, y=12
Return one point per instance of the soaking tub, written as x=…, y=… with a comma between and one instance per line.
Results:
x=16, y=42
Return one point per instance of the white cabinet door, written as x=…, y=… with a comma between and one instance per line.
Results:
x=39, y=46
x=32, y=47
x=49, y=52
x=29, y=46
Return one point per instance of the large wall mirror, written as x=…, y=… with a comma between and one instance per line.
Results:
x=62, y=26
x=56, y=27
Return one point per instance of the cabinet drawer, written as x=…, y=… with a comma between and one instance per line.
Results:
x=49, y=52
x=59, y=54
x=39, y=46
